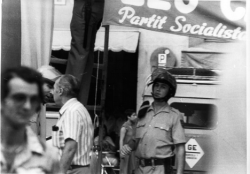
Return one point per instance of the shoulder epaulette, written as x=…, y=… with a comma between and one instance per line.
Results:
x=175, y=110
x=178, y=113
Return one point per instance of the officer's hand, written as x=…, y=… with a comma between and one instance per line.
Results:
x=125, y=150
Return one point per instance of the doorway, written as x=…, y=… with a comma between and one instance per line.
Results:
x=121, y=88
x=121, y=85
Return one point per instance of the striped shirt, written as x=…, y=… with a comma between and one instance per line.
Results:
x=75, y=123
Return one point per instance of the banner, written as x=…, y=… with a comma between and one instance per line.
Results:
x=214, y=19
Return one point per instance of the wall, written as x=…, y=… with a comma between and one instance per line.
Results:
x=11, y=34
x=63, y=15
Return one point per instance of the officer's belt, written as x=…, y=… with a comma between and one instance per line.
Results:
x=77, y=166
x=154, y=162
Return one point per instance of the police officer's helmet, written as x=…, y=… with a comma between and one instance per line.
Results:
x=163, y=76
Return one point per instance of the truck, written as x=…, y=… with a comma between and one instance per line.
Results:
x=210, y=100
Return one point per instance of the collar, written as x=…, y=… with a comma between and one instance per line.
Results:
x=33, y=143
x=165, y=108
x=67, y=105
x=33, y=146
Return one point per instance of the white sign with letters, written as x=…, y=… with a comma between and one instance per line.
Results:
x=162, y=59
x=225, y=19
x=193, y=152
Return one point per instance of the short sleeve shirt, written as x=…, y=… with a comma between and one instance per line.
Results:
x=130, y=131
x=34, y=158
x=158, y=132
x=75, y=123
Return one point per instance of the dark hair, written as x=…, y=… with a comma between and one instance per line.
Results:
x=70, y=85
x=27, y=74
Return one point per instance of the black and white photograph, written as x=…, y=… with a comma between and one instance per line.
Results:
x=125, y=87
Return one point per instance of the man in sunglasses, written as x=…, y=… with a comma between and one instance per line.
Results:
x=21, y=150
x=38, y=121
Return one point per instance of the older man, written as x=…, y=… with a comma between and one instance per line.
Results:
x=73, y=132
x=21, y=150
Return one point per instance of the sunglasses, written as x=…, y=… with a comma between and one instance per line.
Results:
x=22, y=98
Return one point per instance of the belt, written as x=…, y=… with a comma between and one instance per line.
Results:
x=77, y=166
x=154, y=162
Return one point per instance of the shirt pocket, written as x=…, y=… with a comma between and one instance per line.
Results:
x=57, y=138
x=140, y=129
x=162, y=131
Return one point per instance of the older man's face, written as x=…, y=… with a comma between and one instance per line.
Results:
x=21, y=103
x=56, y=92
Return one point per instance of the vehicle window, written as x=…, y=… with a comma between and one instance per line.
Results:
x=198, y=116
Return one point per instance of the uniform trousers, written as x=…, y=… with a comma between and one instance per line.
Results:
x=160, y=169
x=80, y=170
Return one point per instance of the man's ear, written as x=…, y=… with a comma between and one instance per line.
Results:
x=60, y=91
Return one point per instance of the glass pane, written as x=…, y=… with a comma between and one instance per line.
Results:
x=198, y=116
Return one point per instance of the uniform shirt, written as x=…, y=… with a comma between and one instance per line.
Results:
x=34, y=158
x=158, y=132
x=75, y=123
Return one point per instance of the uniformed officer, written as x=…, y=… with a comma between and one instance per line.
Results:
x=159, y=130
